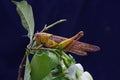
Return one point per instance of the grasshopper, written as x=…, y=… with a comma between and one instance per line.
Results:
x=67, y=44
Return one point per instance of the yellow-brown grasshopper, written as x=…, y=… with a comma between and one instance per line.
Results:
x=68, y=44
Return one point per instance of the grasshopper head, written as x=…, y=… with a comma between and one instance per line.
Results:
x=42, y=37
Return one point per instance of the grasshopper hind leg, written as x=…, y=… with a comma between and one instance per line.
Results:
x=66, y=42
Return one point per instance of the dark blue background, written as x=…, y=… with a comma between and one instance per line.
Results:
x=99, y=19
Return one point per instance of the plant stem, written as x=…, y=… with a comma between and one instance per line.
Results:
x=47, y=27
x=21, y=67
x=57, y=22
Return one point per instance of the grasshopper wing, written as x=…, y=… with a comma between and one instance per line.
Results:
x=76, y=47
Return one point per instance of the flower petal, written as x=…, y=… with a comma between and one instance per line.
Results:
x=85, y=76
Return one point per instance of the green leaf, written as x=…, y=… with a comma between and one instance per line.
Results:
x=67, y=59
x=48, y=77
x=27, y=75
x=26, y=14
x=42, y=64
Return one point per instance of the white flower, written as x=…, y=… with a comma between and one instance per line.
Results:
x=85, y=76
x=72, y=71
x=79, y=66
x=76, y=72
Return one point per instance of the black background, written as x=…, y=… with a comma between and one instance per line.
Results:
x=99, y=19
